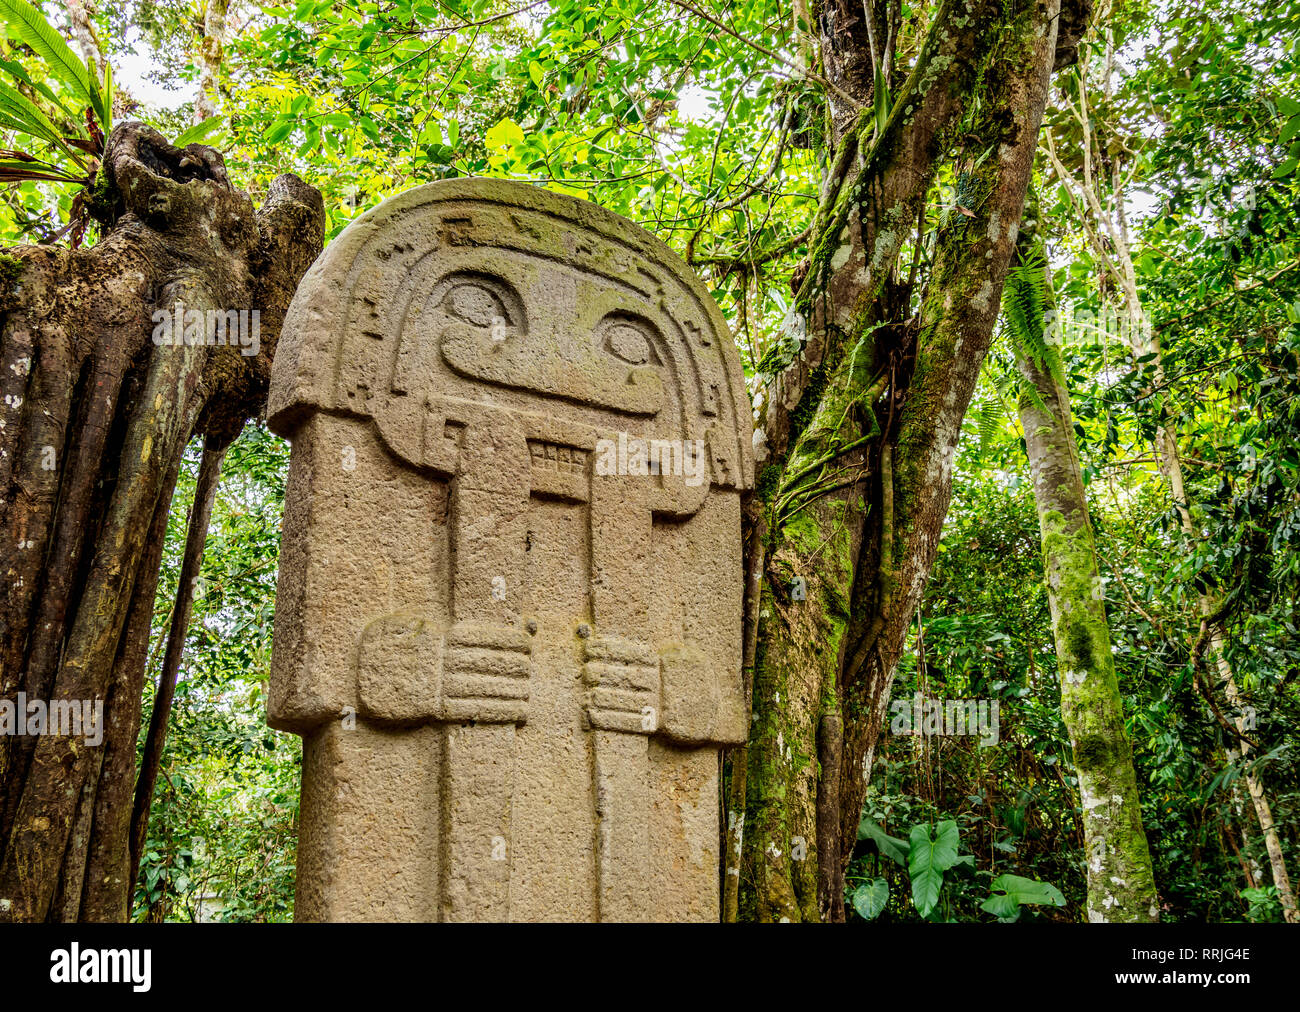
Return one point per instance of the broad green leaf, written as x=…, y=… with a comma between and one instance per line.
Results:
x=930, y=856
x=1027, y=890
x=869, y=899
x=890, y=846
x=505, y=134
x=1003, y=907
x=48, y=44
x=199, y=131
x=278, y=132
x=25, y=115
x=19, y=73
x=1009, y=892
x=880, y=95
x=106, y=117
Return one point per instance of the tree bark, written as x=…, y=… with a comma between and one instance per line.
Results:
x=1121, y=886
x=861, y=422
x=211, y=52
x=1105, y=225
x=83, y=31
x=1263, y=810
x=205, y=493
x=95, y=417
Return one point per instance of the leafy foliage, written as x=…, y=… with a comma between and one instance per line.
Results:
x=66, y=117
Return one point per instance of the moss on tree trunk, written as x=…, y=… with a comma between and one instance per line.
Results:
x=861, y=427
x=1120, y=882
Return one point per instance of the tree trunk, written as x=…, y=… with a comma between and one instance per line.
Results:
x=1106, y=227
x=205, y=494
x=1120, y=882
x=860, y=423
x=95, y=417
x=83, y=31
x=211, y=51
x=1263, y=810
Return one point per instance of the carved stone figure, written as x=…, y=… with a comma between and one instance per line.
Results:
x=509, y=615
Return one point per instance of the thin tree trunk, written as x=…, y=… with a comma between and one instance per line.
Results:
x=211, y=52
x=83, y=31
x=1263, y=811
x=1167, y=453
x=1249, y=866
x=205, y=493
x=1121, y=886
x=1102, y=211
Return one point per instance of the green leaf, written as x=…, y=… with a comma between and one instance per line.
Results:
x=1003, y=907
x=535, y=72
x=1009, y=892
x=19, y=72
x=48, y=44
x=106, y=119
x=1028, y=891
x=505, y=134
x=21, y=113
x=278, y=132
x=880, y=97
x=930, y=856
x=890, y=846
x=869, y=899
x=199, y=131
x=1288, y=106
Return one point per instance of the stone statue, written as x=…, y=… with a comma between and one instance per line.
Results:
x=508, y=623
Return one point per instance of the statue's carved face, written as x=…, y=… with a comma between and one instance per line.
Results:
x=554, y=332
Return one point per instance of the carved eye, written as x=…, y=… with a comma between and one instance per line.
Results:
x=628, y=338
x=475, y=304
x=628, y=343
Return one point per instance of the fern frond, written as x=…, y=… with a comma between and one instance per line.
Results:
x=992, y=413
x=1025, y=304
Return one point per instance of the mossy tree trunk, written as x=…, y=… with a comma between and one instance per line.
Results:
x=1120, y=882
x=1100, y=201
x=859, y=426
x=94, y=418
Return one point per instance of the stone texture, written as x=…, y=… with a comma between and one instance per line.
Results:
x=513, y=671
